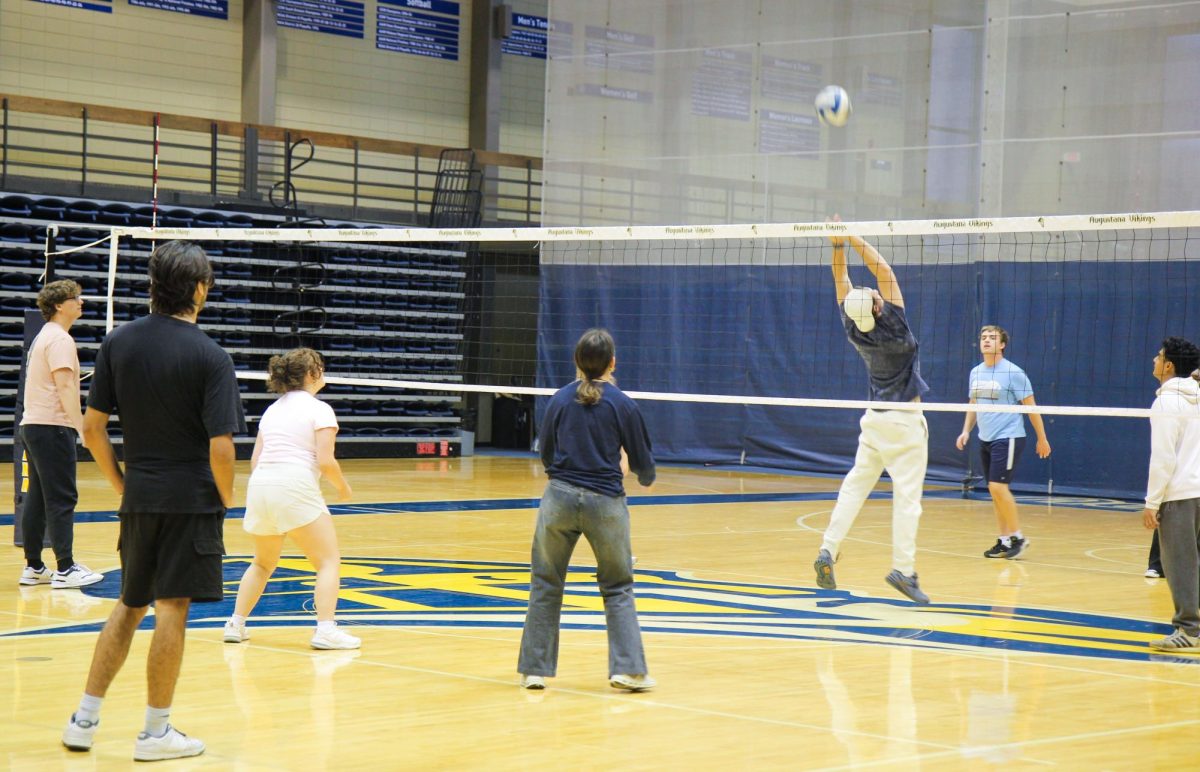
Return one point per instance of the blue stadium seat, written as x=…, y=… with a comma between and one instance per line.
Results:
x=142, y=217
x=15, y=306
x=49, y=209
x=15, y=206
x=77, y=237
x=18, y=282
x=84, y=261
x=20, y=257
x=81, y=211
x=176, y=218
x=14, y=231
x=209, y=220
x=115, y=214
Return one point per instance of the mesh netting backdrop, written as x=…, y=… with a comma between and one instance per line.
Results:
x=1086, y=312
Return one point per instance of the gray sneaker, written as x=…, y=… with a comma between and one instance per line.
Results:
x=1176, y=641
x=824, y=567
x=909, y=586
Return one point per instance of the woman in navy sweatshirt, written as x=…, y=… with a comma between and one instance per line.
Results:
x=587, y=426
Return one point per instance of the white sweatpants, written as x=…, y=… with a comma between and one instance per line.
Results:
x=898, y=441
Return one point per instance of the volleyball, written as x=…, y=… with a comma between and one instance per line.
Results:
x=833, y=106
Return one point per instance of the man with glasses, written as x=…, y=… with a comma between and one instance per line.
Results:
x=51, y=420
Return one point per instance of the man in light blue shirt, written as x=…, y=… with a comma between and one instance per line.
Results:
x=998, y=381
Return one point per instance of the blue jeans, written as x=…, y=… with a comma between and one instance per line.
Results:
x=565, y=513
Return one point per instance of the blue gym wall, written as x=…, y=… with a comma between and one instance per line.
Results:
x=1085, y=332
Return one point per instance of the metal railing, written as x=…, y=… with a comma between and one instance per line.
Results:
x=89, y=148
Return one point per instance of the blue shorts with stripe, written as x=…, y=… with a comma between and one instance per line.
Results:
x=1000, y=458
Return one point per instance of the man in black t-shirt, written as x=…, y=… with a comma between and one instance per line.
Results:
x=177, y=397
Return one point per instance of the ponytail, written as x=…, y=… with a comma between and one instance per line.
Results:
x=589, y=392
x=593, y=354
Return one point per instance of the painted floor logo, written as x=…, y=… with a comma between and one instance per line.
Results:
x=414, y=592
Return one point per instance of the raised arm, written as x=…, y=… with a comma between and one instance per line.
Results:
x=885, y=279
x=841, y=275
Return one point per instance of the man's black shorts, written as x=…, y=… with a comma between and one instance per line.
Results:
x=1000, y=458
x=171, y=556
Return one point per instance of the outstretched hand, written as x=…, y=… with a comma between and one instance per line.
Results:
x=836, y=241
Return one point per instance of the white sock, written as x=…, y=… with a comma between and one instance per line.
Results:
x=89, y=708
x=237, y=620
x=326, y=627
x=1018, y=535
x=1006, y=541
x=156, y=721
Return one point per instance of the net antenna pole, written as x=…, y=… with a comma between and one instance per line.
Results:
x=112, y=281
x=153, y=179
x=51, y=253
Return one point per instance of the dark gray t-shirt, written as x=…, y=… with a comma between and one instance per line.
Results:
x=890, y=353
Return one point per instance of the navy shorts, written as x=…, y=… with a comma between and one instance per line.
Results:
x=171, y=555
x=1000, y=458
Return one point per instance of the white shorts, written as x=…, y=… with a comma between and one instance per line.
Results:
x=282, y=498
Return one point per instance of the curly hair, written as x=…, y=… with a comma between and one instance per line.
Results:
x=286, y=372
x=56, y=293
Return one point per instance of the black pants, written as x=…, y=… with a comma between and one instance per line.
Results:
x=50, y=502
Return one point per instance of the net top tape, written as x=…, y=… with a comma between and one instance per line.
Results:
x=728, y=399
x=964, y=226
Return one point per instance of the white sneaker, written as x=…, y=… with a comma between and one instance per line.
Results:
x=31, y=576
x=77, y=575
x=633, y=683
x=335, y=639
x=533, y=682
x=78, y=734
x=1151, y=573
x=235, y=633
x=172, y=745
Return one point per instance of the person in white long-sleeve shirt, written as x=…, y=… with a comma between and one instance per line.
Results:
x=1173, y=486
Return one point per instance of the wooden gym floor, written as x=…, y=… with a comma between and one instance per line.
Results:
x=1036, y=663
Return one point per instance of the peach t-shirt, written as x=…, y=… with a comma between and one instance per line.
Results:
x=52, y=349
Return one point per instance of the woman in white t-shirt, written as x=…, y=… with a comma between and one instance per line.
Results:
x=294, y=448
